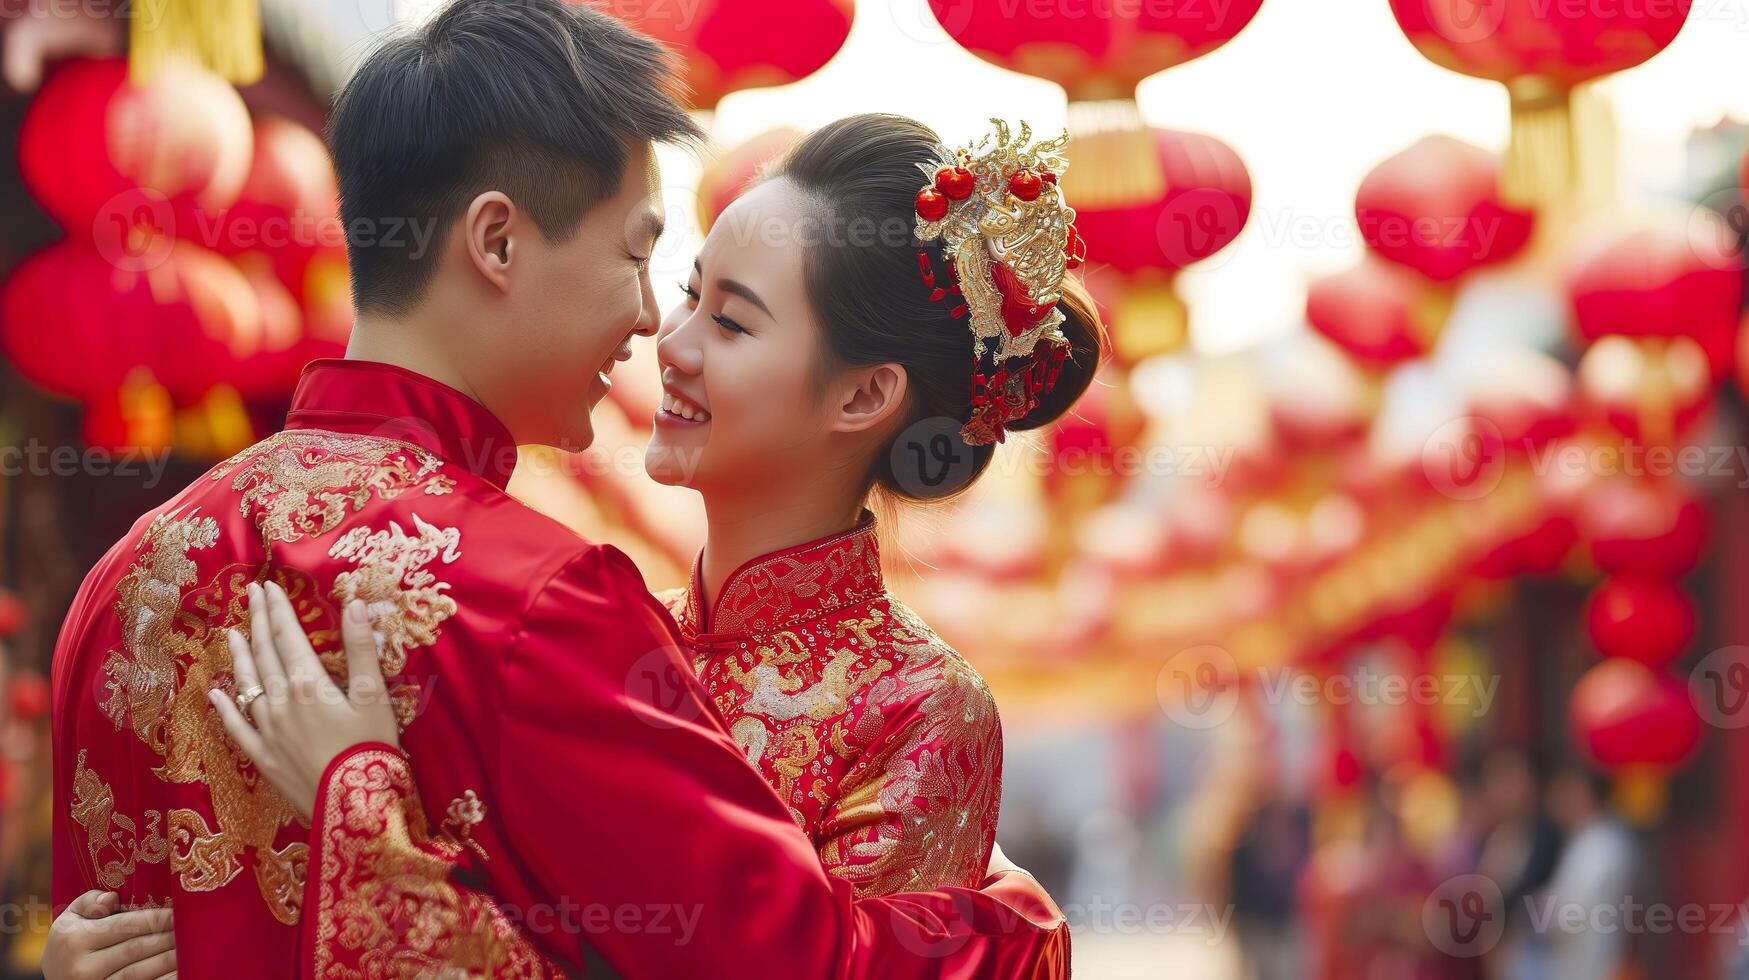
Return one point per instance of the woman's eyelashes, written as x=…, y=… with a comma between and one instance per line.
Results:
x=727, y=324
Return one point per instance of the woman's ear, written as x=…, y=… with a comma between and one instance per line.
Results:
x=869, y=397
x=487, y=231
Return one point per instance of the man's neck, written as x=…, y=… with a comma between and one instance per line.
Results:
x=406, y=344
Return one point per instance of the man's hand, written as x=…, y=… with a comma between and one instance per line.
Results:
x=91, y=941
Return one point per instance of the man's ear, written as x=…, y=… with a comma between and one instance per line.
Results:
x=870, y=396
x=489, y=232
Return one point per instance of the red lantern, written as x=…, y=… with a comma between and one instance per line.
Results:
x=289, y=208
x=1093, y=55
x=1651, y=389
x=1435, y=208
x=12, y=614
x=1540, y=52
x=731, y=45
x=59, y=322
x=75, y=325
x=1649, y=526
x=1381, y=314
x=104, y=156
x=1526, y=398
x=1668, y=277
x=1624, y=713
x=1646, y=619
x=1149, y=202
x=28, y=696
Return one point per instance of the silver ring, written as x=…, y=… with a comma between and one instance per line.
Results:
x=246, y=698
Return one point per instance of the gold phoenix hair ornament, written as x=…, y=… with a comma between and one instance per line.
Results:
x=1008, y=238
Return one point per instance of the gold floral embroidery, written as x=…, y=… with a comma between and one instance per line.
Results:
x=464, y=814
x=302, y=481
x=405, y=600
x=174, y=648
x=385, y=905
x=158, y=688
x=105, y=830
x=905, y=815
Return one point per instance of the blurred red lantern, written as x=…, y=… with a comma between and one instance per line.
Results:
x=1525, y=397
x=729, y=45
x=1666, y=277
x=1149, y=202
x=28, y=696
x=103, y=155
x=1640, y=525
x=1093, y=54
x=1540, y=52
x=1435, y=208
x=58, y=326
x=1381, y=314
x=1650, y=389
x=289, y=207
x=1624, y=713
x=728, y=175
x=75, y=325
x=1639, y=617
x=12, y=614
x=1540, y=551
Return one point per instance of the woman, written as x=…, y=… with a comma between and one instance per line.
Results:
x=865, y=323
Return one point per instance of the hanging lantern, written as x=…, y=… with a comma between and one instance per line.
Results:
x=1102, y=55
x=1149, y=202
x=1625, y=714
x=1380, y=314
x=1319, y=398
x=1435, y=208
x=1667, y=277
x=76, y=326
x=1651, y=389
x=730, y=45
x=103, y=155
x=1526, y=398
x=289, y=207
x=1639, y=617
x=1649, y=526
x=1540, y=52
x=726, y=176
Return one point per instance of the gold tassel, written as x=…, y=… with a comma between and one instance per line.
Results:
x=1113, y=162
x=1149, y=319
x=1641, y=794
x=223, y=36
x=1540, y=165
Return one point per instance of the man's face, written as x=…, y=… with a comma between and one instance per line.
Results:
x=570, y=310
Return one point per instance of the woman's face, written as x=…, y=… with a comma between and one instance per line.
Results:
x=741, y=405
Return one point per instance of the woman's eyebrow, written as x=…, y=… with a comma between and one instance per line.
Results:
x=741, y=289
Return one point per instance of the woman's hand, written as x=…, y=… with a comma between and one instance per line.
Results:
x=302, y=719
x=87, y=942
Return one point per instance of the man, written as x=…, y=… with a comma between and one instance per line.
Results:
x=509, y=141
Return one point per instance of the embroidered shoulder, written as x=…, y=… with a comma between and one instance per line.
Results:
x=302, y=482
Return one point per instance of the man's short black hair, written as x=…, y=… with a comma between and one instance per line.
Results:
x=539, y=99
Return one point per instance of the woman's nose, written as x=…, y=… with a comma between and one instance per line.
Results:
x=675, y=345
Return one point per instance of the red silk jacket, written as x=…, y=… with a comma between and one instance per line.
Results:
x=588, y=803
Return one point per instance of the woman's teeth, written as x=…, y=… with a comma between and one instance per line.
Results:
x=674, y=406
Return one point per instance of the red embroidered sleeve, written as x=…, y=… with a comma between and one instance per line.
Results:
x=380, y=901
x=919, y=811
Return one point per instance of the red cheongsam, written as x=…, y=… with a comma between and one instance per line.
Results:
x=595, y=808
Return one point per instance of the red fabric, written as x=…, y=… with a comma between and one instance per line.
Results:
x=514, y=650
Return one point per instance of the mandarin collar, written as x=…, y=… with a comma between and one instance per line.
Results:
x=377, y=399
x=781, y=589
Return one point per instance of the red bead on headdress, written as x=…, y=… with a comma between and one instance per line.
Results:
x=1008, y=239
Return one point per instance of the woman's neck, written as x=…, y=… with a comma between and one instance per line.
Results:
x=768, y=520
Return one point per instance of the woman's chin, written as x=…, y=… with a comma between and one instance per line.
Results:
x=662, y=467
